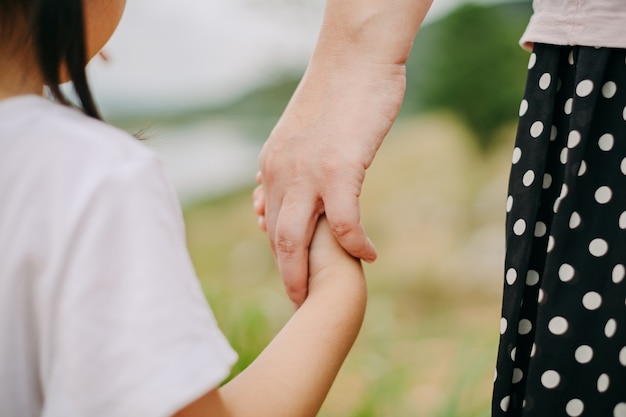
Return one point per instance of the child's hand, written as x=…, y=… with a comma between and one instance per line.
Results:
x=326, y=256
x=327, y=259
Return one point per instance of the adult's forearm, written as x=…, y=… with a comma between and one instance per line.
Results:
x=379, y=31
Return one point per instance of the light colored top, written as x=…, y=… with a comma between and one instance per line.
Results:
x=577, y=22
x=101, y=313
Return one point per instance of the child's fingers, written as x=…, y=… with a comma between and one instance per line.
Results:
x=258, y=200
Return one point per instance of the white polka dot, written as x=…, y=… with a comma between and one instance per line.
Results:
x=564, y=191
x=603, y=383
x=568, y=106
x=557, y=204
x=566, y=272
x=509, y=204
x=532, y=60
x=495, y=375
x=598, y=247
x=518, y=375
x=603, y=194
x=574, y=220
x=619, y=410
x=574, y=408
x=532, y=278
x=592, y=300
x=584, y=88
x=547, y=181
x=533, y=351
x=540, y=229
x=610, y=328
x=524, y=327
x=511, y=276
x=582, y=169
x=503, y=325
x=553, y=133
x=573, y=139
x=609, y=89
x=513, y=352
x=550, y=379
x=583, y=354
x=622, y=356
x=544, y=81
x=504, y=404
x=519, y=227
x=541, y=296
x=536, y=129
x=622, y=220
x=523, y=108
x=529, y=178
x=551, y=243
x=558, y=325
x=517, y=155
x=624, y=114
x=618, y=273
x=606, y=142
x=570, y=58
x=564, y=155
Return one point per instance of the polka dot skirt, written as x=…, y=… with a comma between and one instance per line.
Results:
x=563, y=330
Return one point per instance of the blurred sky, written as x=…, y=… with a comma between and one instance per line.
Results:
x=168, y=54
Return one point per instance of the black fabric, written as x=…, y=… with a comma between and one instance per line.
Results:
x=563, y=344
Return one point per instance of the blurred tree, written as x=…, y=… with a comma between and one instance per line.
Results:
x=471, y=63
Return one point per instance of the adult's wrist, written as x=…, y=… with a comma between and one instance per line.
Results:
x=375, y=31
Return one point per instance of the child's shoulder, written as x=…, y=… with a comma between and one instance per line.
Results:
x=74, y=130
x=65, y=154
x=57, y=135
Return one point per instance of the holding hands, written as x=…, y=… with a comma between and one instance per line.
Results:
x=315, y=159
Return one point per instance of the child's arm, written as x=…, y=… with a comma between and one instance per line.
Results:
x=293, y=374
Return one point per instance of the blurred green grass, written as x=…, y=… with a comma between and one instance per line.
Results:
x=434, y=205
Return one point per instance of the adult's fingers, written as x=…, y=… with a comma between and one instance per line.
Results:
x=294, y=229
x=344, y=216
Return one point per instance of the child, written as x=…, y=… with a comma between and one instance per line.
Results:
x=100, y=311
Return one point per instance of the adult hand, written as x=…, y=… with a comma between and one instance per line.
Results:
x=315, y=159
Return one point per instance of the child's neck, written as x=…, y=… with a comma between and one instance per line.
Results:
x=18, y=76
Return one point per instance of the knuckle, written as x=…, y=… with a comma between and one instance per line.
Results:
x=331, y=168
x=285, y=246
x=342, y=229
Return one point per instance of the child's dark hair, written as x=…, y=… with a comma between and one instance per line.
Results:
x=56, y=31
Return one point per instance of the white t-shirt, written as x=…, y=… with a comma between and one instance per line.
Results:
x=580, y=22
x=101, y=313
